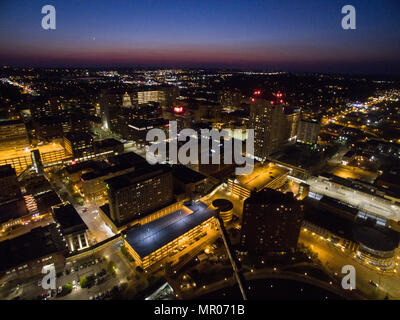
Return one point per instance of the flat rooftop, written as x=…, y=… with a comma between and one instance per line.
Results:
x=13, y=210
x=69, y=219
x=156, y=234
x=131, y=158
x=7, y=171
x=140, y=174
x=103, y=172
x=261, y=176
x=45, y=201
x=186, y=175
x=25, y=150
x=38, y=243
x=78, y=136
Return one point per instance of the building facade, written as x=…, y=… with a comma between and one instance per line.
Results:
x=9, y=186
x=269, y=122
x=271, y=222
x=79, y=144
x=308, y=131
x=135, y=194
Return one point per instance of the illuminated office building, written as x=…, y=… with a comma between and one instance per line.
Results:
x=308, y=131
x=268, y=121
x=79, y=144
x=133, y=195
x=151, y=96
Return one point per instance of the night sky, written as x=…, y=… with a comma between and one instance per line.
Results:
x=294, y=35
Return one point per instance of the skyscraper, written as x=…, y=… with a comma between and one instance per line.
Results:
x=308, y=131
x=269, y=122
x=271, y=222
x=292, y=116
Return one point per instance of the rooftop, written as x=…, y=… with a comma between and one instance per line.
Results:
x=186, y=175
x=129, y=157
x=6, y=171
x=12, y=210
x=78, y=136
x=268, y=195
x=38, y=243
x=69, y=219
x=261, y=176
x=140, y=174
x=45, y=201
x=380, y=240
x=223, y=204
x=154, y=235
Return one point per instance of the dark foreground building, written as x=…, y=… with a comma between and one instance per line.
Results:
x=271, y=222
x=26, y=255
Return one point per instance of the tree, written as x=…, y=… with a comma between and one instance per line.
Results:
x=83, y=282
x=67, y=288
x=112, y=269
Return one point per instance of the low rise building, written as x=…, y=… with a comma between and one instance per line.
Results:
x=25, y=256
x=157, y=240
x=73, y=228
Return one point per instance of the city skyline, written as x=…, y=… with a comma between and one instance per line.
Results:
x=200, y=151
x=306, y=36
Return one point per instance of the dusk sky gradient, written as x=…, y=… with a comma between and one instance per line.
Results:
x=294, y=35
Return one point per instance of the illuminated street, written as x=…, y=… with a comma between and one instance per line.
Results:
x=333, y=259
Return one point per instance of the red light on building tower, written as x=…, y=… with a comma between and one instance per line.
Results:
x=257, y=92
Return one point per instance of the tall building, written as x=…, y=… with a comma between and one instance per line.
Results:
x=171, y=93
x=110, y=107
x=292, y=116
x=9, y=187
x=230, y=100
x=151, y=96
x=79, y=144
x=308, y=131
x=271, y=222
x=126, y=100
x=269, y=122
x=135, y=194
